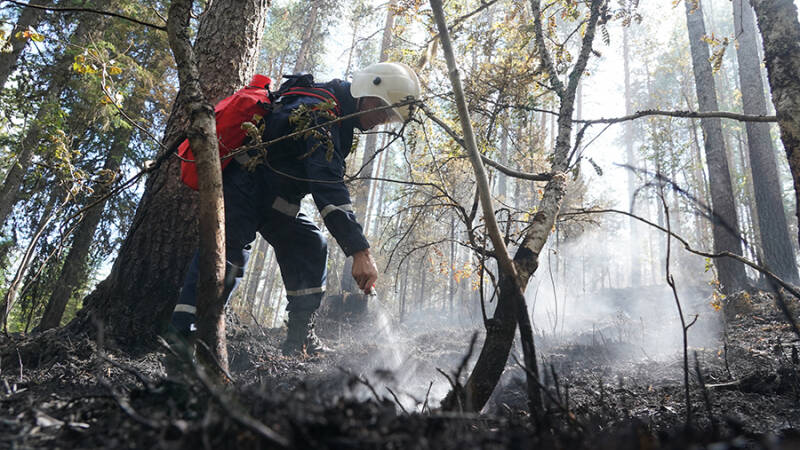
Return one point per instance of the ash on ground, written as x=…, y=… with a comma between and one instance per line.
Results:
x=382, y=384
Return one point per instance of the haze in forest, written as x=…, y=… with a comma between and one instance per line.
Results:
x=600, y=276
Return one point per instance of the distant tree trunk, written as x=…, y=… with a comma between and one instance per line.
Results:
x=772, y=222
x=15, y=287
x=725, y=223
x=59, y=77
x=423, y=270
x=361, y=197
x=700, y=183
x=75, y=268
x=136, y=300
x=301, y=64
x=269, y=286
x=28, y=18
x=501, y=177
x=403, y=293
x=635, y=248
x=451, y=289
x=260, y=252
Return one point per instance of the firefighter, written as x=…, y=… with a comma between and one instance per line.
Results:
x=264, y=196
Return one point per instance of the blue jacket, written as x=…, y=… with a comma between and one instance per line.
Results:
x=306, y=158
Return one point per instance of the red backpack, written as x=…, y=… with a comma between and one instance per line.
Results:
x=231, y=113
x=241, y=107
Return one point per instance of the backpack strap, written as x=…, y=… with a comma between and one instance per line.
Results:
x=320, y=93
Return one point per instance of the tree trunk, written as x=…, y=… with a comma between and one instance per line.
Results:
x=634, y=244
x=29, y=18
x=511, y=308
x=75, y=268
x=361, y=197
x=301, y=64
x=202, y=135
x=136, y=300
x=771, y=215
x=60, y=76
x=725, y=223
x=260, y=251
x=16, y=287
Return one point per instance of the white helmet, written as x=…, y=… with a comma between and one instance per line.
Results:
x=392, y=82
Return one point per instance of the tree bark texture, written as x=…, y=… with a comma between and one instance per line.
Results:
x=202, y=135
x=772, y=225
x=725, y=226
x=136, y=300
x=28, y=18
x=780, y=33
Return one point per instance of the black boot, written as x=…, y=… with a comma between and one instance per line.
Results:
x=300, y=336
x=183, y=352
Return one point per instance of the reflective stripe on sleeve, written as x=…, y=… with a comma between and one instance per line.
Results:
x=347, y=207
x=181, y=308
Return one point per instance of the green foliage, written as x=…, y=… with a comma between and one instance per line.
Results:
x=304, y=118
x=107, y=74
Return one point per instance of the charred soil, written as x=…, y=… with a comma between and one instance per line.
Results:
x=380, y=389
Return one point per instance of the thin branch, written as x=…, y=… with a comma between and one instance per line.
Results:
x=88, y=10
x=685, y=114
x=544, y=54
x=458, y=21
x=489, y=162
x=789, y=287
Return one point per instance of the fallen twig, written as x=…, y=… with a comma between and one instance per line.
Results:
x=396, y=400
x=230, y=406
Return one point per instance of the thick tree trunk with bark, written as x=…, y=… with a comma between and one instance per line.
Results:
x=29, y=18
x=772, y=225
x=202, y=135
x=136, y=300
x=725, y=222
x=780, y=33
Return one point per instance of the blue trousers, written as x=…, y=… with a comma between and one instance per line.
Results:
x=300, y=247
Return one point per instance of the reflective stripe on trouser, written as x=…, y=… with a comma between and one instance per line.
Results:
x=183, y=316
x=300, y=248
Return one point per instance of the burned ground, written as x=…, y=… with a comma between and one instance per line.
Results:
x=380, y=389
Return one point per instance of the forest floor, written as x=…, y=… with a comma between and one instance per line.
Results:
x=381, y=386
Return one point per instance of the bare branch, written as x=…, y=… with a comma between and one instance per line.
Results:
x=544, y=54
x=789, y=287
x=486, y=160
x=88, y=10
x=685, y=114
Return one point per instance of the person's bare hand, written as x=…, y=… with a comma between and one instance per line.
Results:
x=365, y=271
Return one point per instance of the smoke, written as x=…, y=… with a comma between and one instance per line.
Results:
x=585, y=293
x=397, y=361
x=588, y=297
